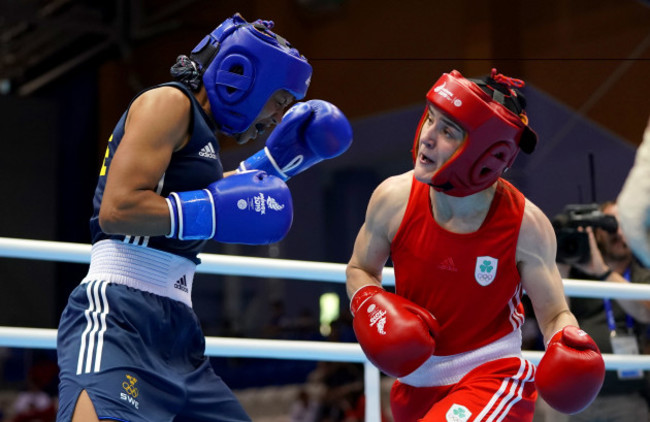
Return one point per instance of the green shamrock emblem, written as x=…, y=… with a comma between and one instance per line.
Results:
x=486, y=267
x=460, y=412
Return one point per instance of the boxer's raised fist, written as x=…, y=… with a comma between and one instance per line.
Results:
x=396, y=335
x=310, y=132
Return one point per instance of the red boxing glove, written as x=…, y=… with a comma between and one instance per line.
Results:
x=571, y=372
x=396, y=335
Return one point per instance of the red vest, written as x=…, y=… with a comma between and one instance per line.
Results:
x=470, y=281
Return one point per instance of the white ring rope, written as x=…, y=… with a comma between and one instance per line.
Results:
x=288, y=349
x=284, y=268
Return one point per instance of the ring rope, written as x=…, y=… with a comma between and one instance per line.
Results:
x=284, y=268
x=288, y=349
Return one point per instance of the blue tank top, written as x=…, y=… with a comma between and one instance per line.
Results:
x=193, y=167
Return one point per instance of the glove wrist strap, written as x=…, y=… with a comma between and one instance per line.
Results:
x=192, y=215
x=173, y=217
x=361, y=295
x=263, y=160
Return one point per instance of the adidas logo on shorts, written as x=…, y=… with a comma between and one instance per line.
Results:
x=208, y=151
x=181, y=284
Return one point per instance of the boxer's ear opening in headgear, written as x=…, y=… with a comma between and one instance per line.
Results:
x=235, y=70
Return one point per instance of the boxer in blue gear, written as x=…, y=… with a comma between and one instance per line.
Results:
x=130, y=347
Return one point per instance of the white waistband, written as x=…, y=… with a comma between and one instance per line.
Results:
x=142, y=268
x=447, y=370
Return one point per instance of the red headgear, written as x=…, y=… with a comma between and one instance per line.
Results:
x=491, y=112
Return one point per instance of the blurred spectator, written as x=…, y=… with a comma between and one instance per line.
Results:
x=305, y=326
x=36, y=404
x=357, y=413
x=343, y=399
x=342, y=330
x=278, y=323
x=304, y=409
x=343, y=381
x=281, y=325
x=617, y=326
x=634, y=201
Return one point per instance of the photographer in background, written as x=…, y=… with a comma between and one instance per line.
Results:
x=618, y=326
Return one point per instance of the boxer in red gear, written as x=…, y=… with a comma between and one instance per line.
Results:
x=465, y=244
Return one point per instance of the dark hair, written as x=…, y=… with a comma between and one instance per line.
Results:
x=504, y=90
x=186, y=71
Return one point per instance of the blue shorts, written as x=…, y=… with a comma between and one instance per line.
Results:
x=140, y=357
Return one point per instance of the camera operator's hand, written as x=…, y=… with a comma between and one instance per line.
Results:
x=596, y=266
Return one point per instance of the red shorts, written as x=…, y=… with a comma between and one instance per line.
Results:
x=501, y=390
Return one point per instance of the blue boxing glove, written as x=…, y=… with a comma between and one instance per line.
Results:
x=250, y=207
x=309, y=133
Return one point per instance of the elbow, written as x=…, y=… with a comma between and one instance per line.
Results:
x=349, y=271
x=109, y=220
x=353, y=273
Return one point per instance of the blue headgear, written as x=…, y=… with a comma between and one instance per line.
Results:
x=243, y=64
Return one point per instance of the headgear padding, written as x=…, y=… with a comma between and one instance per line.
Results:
x=493, y=118
x=243, y=64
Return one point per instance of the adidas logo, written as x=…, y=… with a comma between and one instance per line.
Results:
x=181, y=284
x=208, y=151
x=448, y=265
